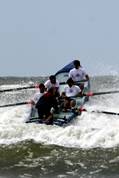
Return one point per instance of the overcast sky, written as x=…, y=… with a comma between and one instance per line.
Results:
x=38, y=37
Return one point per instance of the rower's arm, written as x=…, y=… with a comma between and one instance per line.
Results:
x=87, y=77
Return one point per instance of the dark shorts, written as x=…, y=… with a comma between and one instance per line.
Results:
x=43, y=111
x=69, y=99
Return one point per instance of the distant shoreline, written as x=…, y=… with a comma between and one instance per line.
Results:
x=21, y=80
x=6, y=80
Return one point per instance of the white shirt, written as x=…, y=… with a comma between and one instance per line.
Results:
x=49, y=85
x=37, y=96
x=77, y=74
x=72, y=91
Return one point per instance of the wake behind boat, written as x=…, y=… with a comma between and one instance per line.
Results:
x=63, y=118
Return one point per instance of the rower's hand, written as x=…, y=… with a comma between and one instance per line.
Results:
x=31, y=102
x=89, y=94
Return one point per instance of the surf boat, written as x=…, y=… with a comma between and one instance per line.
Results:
x=63, y=118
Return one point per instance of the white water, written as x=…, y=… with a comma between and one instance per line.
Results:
x=87, y=131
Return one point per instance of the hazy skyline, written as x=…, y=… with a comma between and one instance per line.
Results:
x=38, y=37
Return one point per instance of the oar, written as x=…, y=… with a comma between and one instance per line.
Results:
x=30, y=87
x=15, y=104
x=78, y=82
x=15, y=89
x=103, y=112
x=100, y=93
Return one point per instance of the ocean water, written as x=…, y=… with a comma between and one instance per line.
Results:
x=87, y=148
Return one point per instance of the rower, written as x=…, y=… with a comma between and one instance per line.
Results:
x=70, y=91
x=46, y=105
x=35, y=99
x=38, y=94
x=52, y=82
x=78, y=74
